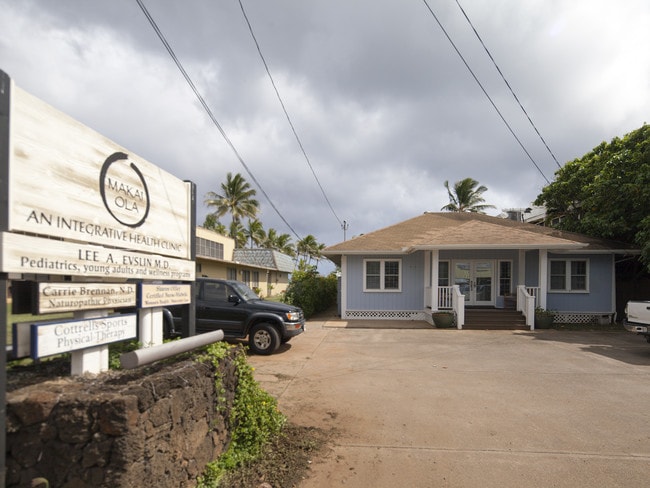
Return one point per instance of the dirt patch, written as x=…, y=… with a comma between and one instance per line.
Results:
x=285, y=461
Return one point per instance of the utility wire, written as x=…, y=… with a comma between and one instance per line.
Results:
x=508, y=84
x=284, y=109
x=208, y=111
x=484, y=91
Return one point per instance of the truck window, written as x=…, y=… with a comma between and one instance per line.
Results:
x=215, y=292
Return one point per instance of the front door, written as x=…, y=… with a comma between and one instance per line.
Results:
x=476, y=280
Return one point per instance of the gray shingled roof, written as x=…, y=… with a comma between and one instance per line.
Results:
x=265, y=258
x=458, y=230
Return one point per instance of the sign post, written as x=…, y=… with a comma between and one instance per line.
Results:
x=93, y=359
x=5, y=85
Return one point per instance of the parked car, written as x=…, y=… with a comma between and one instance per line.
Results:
x=233, y=307
x=637, y=318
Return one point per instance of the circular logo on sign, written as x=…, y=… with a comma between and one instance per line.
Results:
x=124, y=190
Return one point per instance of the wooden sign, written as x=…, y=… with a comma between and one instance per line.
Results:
x=59, y=337
x=67, y=297
x=163, y=295
x=68, y=181
x=37, y=255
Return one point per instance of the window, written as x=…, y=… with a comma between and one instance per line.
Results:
x=215, y=292
x=256, y=279
x=246, y=276
x=382, y=275
x=505, y=278
x=209, y=249
x=231, y=273
x=443, y=273
x=569, y=275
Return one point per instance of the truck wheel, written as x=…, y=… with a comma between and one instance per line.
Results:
x=264, y=339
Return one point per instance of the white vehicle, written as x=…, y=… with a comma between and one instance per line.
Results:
x=637, y=318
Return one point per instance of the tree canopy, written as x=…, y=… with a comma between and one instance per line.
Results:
x=466, y=196
x=606, y=192
x=236, y=199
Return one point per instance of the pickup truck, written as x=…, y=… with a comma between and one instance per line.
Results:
x=233, y=307
x=637, y=318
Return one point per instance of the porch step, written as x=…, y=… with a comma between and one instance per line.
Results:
x=494, y=319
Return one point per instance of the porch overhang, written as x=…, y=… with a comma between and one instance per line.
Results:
x=569, y=246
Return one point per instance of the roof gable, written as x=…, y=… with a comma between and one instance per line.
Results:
x=457, y=230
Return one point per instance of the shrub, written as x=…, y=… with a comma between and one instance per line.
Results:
x=254, y=418
x=311, y=292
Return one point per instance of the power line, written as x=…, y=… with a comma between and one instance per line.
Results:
x=484, y=91
x=508, y=84
x=208, y=111
x=277, y=93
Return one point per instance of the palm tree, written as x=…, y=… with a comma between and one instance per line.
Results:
x=466, y=197
x=254, y=232
x=309, y=248
x=279, y=242
x=211, y=223
x=236, y=198
x=238, y=233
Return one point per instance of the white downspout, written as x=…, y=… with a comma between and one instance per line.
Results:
x=344, y=281
x=614, y=286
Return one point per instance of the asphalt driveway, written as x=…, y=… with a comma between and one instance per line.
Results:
x=446, y=408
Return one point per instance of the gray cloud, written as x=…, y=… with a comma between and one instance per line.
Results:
x=384, y=107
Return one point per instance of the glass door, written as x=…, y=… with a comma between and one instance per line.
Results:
x=475, y=279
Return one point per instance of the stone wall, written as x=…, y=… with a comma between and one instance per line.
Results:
x=154, y=426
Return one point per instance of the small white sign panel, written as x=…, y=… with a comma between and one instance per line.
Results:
x=66, y=297
x=37, y=255
x=163, y=295
x=68, y=181
x=59, y=337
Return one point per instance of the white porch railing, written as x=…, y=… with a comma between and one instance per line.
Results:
x=450, y=298
x=526, y=303
x=458, y=302
x=445, y=297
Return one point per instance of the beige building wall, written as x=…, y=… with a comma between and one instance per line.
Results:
x=269, y=281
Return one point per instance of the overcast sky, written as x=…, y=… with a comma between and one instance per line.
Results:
x=383, y=105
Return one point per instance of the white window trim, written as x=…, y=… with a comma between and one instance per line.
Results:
x=567, y=275
x=382, y=269
x=498, y=283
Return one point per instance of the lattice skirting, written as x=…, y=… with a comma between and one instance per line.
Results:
x=388, y=315
x=583, y=318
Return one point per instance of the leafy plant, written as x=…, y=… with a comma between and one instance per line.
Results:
x=311, y=292
x=253, y=420
x=542, y=312
x=606, y=192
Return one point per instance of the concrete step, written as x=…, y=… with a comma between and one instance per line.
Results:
x=494, y=319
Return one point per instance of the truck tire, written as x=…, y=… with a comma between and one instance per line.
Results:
x=264, y=339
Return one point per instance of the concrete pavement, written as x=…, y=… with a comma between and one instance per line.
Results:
x=430, y=407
